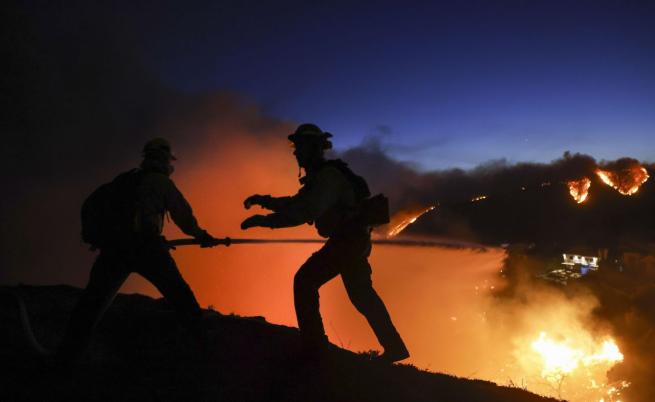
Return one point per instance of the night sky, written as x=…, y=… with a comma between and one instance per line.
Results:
x=443, y=84
x=440, y=86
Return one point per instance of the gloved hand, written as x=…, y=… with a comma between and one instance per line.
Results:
x=256, y=199
x=253, y=221
x=207, y=240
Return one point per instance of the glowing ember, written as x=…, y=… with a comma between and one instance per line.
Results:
x=626, y=181
x=402, y=219
x=579, y=189
x=479, y=198
x=615, y=392
x=560, y=359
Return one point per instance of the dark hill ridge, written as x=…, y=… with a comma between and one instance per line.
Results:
x=139, y=353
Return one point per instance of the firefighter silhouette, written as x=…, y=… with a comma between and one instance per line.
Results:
x=124, y=220
x=329, y=197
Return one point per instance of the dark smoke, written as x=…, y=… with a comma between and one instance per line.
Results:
x=79, y=103
x=529, y=207
x=526, y=202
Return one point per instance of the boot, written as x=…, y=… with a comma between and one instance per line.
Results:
x=394, y=354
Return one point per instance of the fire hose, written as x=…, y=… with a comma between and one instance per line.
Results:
x=227, y=241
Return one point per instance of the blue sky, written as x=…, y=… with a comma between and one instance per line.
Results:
x=443, y=84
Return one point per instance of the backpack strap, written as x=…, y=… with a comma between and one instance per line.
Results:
x=360, y=187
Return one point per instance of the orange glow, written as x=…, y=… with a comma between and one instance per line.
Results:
x=561, y=358
x=579, y=189
x=401, y=219
x=439, y=299
x=557, y=354
x=244, y=279
x=626, y=181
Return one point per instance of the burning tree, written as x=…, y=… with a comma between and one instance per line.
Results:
x=579, y=189
x=625, y=175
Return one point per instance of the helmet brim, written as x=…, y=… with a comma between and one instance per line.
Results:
x=159, y=155
x=295, y=137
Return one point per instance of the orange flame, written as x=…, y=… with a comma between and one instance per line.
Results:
x=626, y=181
x=579, y=189
x=572, y=362
x=401, y=219
x=560, y=358
x=576, y=358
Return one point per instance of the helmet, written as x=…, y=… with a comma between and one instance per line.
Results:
x=311, y=132
x=158, y=147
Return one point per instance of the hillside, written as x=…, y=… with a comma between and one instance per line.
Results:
x=139, y=353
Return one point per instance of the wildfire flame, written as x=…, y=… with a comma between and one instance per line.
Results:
x=572, y=357
x=559, y=358
x=615, y=392
x=626, y=181
x=568, y=361
x=579, y=189
x=402, y=219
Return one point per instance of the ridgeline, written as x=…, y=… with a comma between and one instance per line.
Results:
x=139, y=353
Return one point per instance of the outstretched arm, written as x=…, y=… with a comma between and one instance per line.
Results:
x=307, y=205
x=268, y=202
x=273, y=221
x=181, y=211
x=182, y=215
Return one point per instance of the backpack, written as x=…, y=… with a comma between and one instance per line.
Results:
x=110, y=213
x=371, y=211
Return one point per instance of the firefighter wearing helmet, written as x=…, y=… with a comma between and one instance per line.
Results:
x=158, y=148
x=148, y=193
x=329, y=198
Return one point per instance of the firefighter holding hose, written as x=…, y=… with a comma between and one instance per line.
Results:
x=124, y=220
x=332, y=198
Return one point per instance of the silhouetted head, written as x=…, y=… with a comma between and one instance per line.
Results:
x=157, y=155
x=310, y=144
x=158, y=148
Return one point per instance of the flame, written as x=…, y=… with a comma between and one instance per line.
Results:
x=615, y=392
x=626, y=181
x=401, y=219
x=579, y=189
x=559, y=358
x=578, y=359
x=559, y=355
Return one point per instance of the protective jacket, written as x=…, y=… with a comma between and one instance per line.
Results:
x=327, y=199
x=158, y=195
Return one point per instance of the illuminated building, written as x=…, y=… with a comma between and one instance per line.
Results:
x=573, y=266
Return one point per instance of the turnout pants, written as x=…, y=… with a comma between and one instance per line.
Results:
x=109, y=272
x=346, y=256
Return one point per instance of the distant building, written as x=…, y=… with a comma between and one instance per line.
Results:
x=573, y=266
x=580, y=263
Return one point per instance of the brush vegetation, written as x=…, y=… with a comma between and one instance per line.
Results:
x=139, y=353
